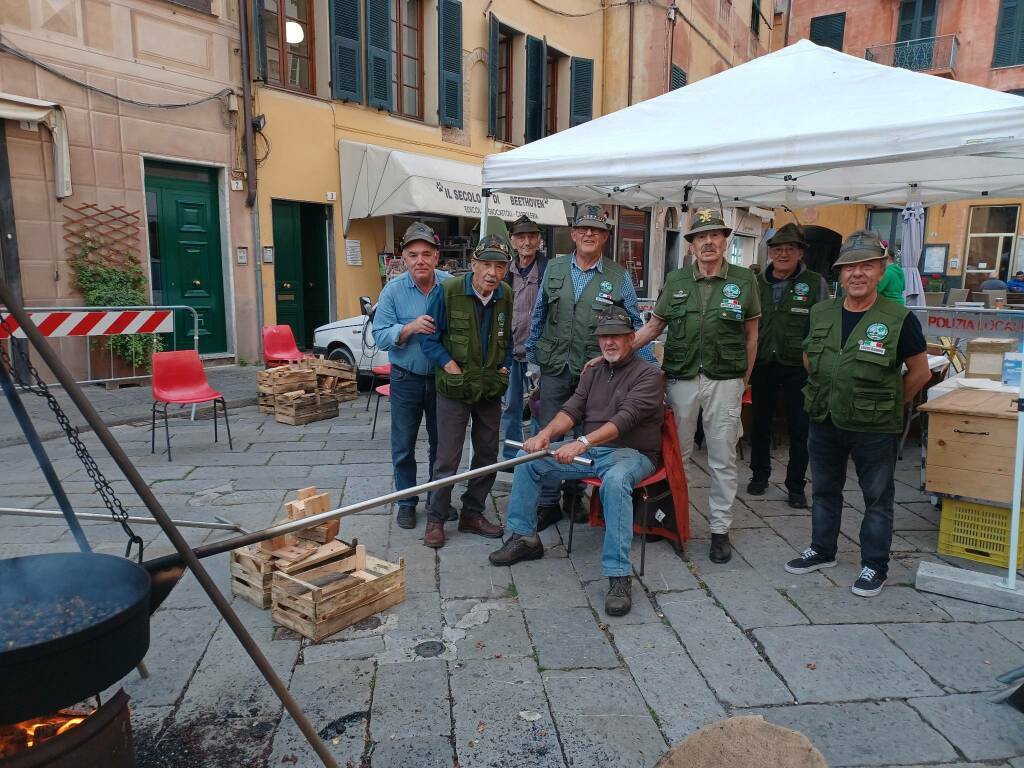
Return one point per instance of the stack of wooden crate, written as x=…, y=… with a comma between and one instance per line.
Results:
x=307, y=391
x=335, y=379
x=297, y=377
x=314, y=583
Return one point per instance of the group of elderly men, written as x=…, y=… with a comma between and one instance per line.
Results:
x=459, y=345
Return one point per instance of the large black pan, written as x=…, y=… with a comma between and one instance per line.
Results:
x=71, y=624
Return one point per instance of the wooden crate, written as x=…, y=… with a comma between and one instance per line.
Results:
x=309, y=502
x=252, y=567
x=265, y=402
x=276, y=381
x=304, y=407
x=324, y=600
x=335, y=378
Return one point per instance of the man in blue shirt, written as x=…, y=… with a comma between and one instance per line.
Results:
x=472, y=348
x=399, y=322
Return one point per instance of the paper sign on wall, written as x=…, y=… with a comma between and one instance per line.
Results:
x=354, y=253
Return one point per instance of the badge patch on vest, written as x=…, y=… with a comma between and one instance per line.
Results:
x=606, y=287
x=874, y=347
x=800, y=310
x=680, y=295
x=731, y=290
x=801, y=289
x=877, y=331
x=501, y=324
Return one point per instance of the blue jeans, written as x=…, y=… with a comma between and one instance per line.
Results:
x=874, y=457
x=412, y=399
x=620, y=469
x=512, y=416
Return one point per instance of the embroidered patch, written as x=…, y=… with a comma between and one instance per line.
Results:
x=606, y=287
x=680, y=295
x=874, y=347
x=801, y=289
x=732, y=305
x=731, y=290
x=800, y=310
x=501, y=324
x=877, y=331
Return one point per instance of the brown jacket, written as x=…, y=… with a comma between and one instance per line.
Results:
x=631, y=395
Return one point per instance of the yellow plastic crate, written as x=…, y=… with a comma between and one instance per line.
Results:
x=977, y=532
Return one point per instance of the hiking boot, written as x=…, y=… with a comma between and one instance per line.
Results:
x=809, y=561
x=434, y=536
x=406, y=517
x=516, y=549
x=548, y=515
x=480, y=525
x=757, y=487
x=573, y=507
x=618, y=601
x=797, y=500
x=869, y=583
x=721, y=549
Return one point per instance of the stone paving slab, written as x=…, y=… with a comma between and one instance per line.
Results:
x=411, y=700
x=980, y=729
x=642, y=611
x=864, y=733
x=838, y=605
x=842, y=663
x=750, y=602
x=1011, y=630
x=962, y=610
x=767, y=553
x=487, y=629
x=567, y=638
x=602, y=719
x=548, y=583
x=664, y=570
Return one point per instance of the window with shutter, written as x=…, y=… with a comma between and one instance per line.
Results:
x=378, y=54
x=677, y=78
x=407, y=57
x=828, y=30
x=1009, y=50
x=536, y=60
x=493, y=33
x=917, y=19
x=755, y=18
x=346, y=51
x=284, y=51
x=581, y=90
x=551, y=92
x=259, y=40
x=449, y=34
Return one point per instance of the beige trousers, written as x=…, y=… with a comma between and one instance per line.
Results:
x=721, y=403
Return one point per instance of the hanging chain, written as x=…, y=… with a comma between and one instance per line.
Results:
x=99, y=480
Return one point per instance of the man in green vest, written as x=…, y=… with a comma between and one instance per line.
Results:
x=576, y=288
x=788, y=290
x=855, y=397
x=472, y=349
x=710, y=309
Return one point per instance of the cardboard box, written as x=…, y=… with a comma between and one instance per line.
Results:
x=985, y=357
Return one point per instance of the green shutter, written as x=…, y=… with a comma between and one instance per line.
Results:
x=829, y=30
x=449, y=47
x=378, y=54
x=905, y=27
x=581, y=90
x=1008, y=35
x=493, y=31
x=346, y=50
x=678, y=78
x=259, y=41
x=536, y=55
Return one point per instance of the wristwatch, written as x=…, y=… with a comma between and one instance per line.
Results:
x=583, y=439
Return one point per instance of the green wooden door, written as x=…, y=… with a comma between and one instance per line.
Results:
x=188, y=233
x=315, y=293
x=288, y=283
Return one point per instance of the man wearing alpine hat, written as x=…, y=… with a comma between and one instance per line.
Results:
x=855, y=396
x=711, y=310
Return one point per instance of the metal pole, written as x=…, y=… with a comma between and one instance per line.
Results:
x=485, y=199
x=117, y=453
x=227, y=545
x=47, y=514
x=1018, y=470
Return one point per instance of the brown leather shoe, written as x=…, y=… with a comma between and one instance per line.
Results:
x=434, y=536
x=479, y=525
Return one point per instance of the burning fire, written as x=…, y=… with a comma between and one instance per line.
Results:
x=32, y=733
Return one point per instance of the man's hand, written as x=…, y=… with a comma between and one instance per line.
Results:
x=452, y=367
x=537, y=443
x=423, y=324
x=566, y=453
x=593, y=361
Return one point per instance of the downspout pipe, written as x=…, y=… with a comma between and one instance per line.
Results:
x=629, y=56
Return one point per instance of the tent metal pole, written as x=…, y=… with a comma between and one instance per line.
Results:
x=485, y=199
x=1018, y=470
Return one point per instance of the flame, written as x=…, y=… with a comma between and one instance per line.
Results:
x=32, y=733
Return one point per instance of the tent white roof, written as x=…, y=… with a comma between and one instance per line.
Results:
x=803, y=126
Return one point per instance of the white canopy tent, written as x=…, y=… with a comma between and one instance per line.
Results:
x=803, y=126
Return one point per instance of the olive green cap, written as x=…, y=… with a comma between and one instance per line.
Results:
x=592, y=216
x=706, y=220
x=862, y=245
x=613, y=321
x=493, y=248
x=524, y=225
x=788, y=234
x=420, y=231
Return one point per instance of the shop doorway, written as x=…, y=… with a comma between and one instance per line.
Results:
x=186, y=262
x=301, y=275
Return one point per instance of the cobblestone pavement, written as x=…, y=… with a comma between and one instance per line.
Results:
x=530, y=670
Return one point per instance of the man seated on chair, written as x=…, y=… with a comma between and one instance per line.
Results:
x=619, y=406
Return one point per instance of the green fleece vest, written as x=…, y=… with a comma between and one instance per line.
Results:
x=480, y=379
x=707, y=337
x=783, y=326
x=859, y=385
x=568, y=334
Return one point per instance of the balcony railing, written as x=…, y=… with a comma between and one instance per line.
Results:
x=928, y=54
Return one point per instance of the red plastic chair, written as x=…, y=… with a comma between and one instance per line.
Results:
x=384, y=390
x=279, y=347
x=382, y=373
x=178, y=377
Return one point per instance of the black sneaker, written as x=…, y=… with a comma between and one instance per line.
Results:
x=618, y=601
x=797, y=500
x=869, y=583
x=516, y=549
x=406, y=517
x=809, y=561
x=757, y=487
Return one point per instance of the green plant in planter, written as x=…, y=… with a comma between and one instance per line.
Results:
x=104, y=285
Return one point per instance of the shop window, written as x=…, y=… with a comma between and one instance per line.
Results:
x=829, y=30
x=991, y=234
x=631, y=248
x=1009, y=47
x=286, y=58
x=407, y=57
x=499, y=80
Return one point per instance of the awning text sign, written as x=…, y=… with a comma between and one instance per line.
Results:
x=466, y=201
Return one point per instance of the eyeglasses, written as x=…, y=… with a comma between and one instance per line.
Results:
x=589, y=230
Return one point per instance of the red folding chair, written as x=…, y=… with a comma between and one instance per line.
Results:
x=384, y=390
x=279, y=347
x=178, y=377
x=380, y=373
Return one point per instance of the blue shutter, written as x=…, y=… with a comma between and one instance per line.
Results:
x=678, y=78
x=259, y=40
x=378, y=54
x=346, y=51
x=1008, y=34
x=492, y=74
x=536, y=56
x=449, y=47
x=581, y=90
x=828, y=30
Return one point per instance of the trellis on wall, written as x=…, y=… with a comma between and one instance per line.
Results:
x=109, y=234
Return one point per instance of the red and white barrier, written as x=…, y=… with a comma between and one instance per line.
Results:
x=62, y=323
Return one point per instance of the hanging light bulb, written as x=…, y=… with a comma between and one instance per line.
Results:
x=294, y=33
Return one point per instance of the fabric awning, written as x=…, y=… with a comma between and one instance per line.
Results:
x=377, y=181
x=52, y=116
